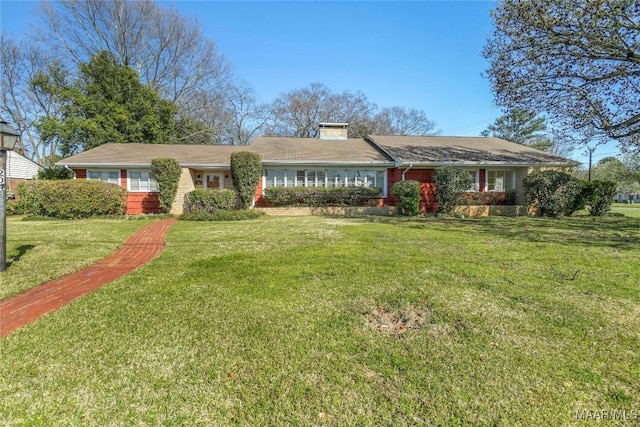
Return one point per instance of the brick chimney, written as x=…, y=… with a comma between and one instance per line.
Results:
x=334, y=130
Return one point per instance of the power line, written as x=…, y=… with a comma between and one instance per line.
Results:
x=459, y=128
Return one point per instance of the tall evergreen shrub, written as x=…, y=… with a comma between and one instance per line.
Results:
x=246, y=168
x=166, y=172
x=451, y=185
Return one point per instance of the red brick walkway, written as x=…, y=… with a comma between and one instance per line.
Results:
x=139, y=249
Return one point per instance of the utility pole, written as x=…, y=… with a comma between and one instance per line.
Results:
x=590, y=150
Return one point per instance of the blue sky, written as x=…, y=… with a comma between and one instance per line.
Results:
x=420, y=54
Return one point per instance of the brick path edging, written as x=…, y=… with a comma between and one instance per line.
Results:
x=139, y=249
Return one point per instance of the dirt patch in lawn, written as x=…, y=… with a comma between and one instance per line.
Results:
x=399, y=322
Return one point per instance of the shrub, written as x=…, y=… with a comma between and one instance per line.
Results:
x=599, y=195
x=12, y=208
x=246, y=168
x=409, y=194
x=209, y=200
x=320, y=196
x=451, y=185
x=81, y=198
x=235, y=215
x=166, y=172
x=55, y=173
x=28, y=198
x=553, y=192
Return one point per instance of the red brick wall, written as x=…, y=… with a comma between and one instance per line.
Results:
x=137, y=203
x=142, y=203
x=123, y=178
x=424, y=177
x=12, y=184
x=258, y=196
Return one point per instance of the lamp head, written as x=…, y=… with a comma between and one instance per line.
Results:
x=8, y=136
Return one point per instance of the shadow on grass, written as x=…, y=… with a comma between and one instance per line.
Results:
x=616, y=232
x=21, y=251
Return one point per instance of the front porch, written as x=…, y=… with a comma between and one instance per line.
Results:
x=200, y=178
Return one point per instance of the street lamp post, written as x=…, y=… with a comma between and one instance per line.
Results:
x=8, y=138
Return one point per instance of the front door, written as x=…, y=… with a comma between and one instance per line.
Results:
x=213, y=181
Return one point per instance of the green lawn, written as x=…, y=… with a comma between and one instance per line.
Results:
x=294, y=321
x=40, y=251
x=632, y=210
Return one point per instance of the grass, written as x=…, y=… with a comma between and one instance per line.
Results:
x=269, y=322
x=40, y=251
x=631, y=210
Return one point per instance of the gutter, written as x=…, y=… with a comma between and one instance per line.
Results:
x=70, y=170
x=406, y=170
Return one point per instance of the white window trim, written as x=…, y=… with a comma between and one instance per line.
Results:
x=507, y=183
x=129, y=171
x=476, y=180
x=299, y=182
x=117, y=171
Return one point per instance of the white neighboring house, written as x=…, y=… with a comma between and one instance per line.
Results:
x=19, y=169
x=627, y=197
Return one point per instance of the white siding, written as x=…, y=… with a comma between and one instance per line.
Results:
x=20, y=167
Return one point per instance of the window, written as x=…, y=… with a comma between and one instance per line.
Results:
x=300, y=179
x=475, y=181
x=499, y=180
x=105, y=175
x=324, y=178
x=142, y=181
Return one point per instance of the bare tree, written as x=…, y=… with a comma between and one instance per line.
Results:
x=22, y=101
x=297, y=113
x=246, y=116
x=403, y=121
x=169, y=50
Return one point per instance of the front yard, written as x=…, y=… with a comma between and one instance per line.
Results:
x=337, y=321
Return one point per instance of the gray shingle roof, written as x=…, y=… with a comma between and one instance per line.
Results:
x=312, y=150
x=375, y=150
x=434, y=150
x=133, y=154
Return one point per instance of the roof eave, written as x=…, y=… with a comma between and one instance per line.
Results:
x=325, y=163
x=138, y=165
x=486, y=163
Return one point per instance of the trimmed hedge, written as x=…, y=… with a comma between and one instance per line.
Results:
x=166, y=172
x=246, y=169
x=409, y=194
x=209, y=201
x=236, y=215
x=81, y=198
x=28, y=198
x=321, y=196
